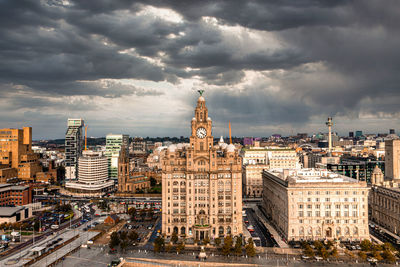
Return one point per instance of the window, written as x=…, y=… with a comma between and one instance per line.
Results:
x=309, y=214
x=309, y=206
x=327, y=213
x=327, y=199
x=301, y=213
x=300, y=206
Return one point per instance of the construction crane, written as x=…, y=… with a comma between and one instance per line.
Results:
x=230, y=133
x=86, y=127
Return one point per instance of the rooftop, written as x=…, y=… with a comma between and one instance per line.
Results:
x=311, y=176
x=9, y=211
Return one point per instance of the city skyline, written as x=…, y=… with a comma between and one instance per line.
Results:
x=135, y=68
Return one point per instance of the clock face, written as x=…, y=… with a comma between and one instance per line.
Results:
x=201, y=132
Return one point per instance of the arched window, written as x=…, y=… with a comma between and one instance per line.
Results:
x=228, y=230
x=183, y=230
x=338, y=231
x=221, y=230
x=309, y=231
x=176, y=229
x=347, y=231
x=301, y=231
x=318, y=231
x=355, y=230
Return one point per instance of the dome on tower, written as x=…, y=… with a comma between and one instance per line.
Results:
x=193, y=119
x=172, y=148
x=209, y=119
x=230, y=148
x=201, y=98
x=377, y=170
x=223, y=145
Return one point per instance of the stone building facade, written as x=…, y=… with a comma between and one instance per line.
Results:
x=201, y=184
x=129, y=182
x=384, y=200
x=256, y=159
x=315, y=204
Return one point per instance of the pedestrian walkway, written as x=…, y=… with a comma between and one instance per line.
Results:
x=271, y=229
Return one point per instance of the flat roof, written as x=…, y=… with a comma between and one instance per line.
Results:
x=9, y=211
x=306, y=175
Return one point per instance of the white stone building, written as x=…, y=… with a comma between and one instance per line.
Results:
x=314, y=204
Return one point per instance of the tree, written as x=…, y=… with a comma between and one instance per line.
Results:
x=153, y=182
x=133, y=236
x=323, y=253
x=180, y=247
x=217, y=241
x=159, y=244
x=238, y=246
x=123, y=244
x=377, y=255
x=174, y=237
x=388, y=256
x=123, y=235
x=114, y=240
x=362, y=255
x=329, y=244
x=334, y=253
x=308, y=251
x=250, y=249
x=227, y=247
x=168, y=248
x=388, y=246
x=318, y=245
x=366, y=245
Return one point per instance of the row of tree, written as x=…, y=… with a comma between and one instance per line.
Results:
x=231, y=246
x=122, y=239
x=384, y=252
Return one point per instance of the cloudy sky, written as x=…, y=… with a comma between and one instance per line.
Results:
x=277, y=66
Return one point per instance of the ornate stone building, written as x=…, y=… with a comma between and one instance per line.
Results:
x=129, y=182
x=384, y=200
x=201, y=184
x=316, y=204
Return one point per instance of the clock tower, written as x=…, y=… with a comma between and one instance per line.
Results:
x=201, y=139
x=201, y=184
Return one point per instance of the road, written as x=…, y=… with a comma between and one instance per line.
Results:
x=260, y=229
x=149, y=244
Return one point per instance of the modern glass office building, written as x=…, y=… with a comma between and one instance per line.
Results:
x=73, y=147
x=114, y=142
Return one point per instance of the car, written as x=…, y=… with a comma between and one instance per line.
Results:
x=85, y=229
x=59, y=239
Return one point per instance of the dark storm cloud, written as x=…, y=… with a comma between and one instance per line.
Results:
x=327, y=57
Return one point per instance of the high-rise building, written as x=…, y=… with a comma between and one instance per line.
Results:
x=114, y=142
x=315, y=204
x=359, y=133
x=392, y=131
x=16, y=154
x=73, y=147
x=201, y=184
x=351, y=134
x=392, y=160
x=92, y=175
